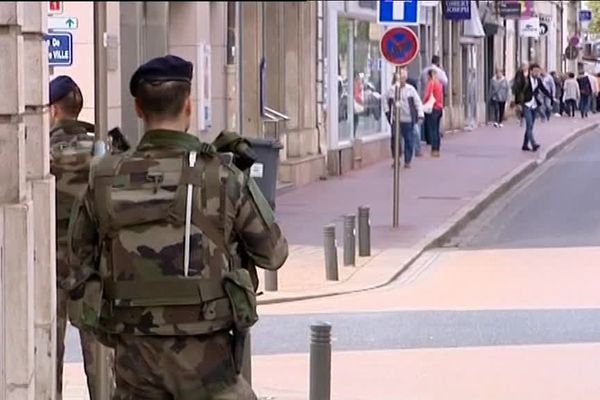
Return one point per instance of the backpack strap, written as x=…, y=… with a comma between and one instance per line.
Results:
x=101, y=180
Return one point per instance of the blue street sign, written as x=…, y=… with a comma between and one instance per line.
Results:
x=398, y=12
x=60, y=49
x=585, y=15
x=457, y=9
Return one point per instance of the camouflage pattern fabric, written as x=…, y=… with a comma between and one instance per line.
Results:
x=178, y=367
x=126, y=237
x=71, y=145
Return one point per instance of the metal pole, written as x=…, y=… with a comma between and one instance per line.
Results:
x=349, y=240
x=271, y=281
x=320, y=361
x=331, y=262
x=396, y=200
x=364, y=232
x=102, y=386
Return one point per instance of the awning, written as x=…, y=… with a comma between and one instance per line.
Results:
x=473, y=27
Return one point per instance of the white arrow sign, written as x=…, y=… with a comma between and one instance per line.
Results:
x=398, y=9
x=63, y=23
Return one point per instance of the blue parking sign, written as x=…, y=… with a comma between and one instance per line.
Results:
x=60, y=49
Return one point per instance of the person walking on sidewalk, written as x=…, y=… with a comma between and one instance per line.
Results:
x=418, y=137
x=433, y=100
x=585, y=88
x=499, y=91
x=548, y=103
x=518, y=82
x=529, y=93
x=411, y=112
x=558, y=94
x=594, y=85
x=571, y=94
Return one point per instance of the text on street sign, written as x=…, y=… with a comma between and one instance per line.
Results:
x=60, y=49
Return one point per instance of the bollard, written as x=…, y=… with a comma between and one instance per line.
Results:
x=331, y=262
x=349, y=240
x=271, y=281
x=320, y=361
x=364, y=232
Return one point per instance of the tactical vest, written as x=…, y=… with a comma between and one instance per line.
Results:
x=71, y=146
x=139, y=203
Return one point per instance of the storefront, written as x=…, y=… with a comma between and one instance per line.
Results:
x=356, y=74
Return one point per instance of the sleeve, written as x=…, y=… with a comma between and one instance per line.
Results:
x=443, y=78
x=418, y=103
x=256, y=228
x=82, y=245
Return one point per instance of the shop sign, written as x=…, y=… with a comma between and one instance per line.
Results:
x=529, y=27
x=510, y=9
x=457, y=10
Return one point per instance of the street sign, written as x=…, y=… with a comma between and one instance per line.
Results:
x=509, y=9
x=543, y=28
x=60, y=49
x=529, y=27
x=457, y=10
x=55, y=7
x=399, y=46
x=398, y=12
x=571, y=52
x=585, y=15
x=574, y=40
x=63, y=23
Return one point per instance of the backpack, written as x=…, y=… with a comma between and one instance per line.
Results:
x=140, y=202
x=71, y=146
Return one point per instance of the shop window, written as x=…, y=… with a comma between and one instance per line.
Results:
x=343, y=79
x=367, y=76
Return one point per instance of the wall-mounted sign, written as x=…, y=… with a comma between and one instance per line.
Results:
x=509, y=9
x=543, y=28
x=529, y=27
x=457, y=10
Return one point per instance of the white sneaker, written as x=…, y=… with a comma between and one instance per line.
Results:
x=495, y=124
x=500, y=125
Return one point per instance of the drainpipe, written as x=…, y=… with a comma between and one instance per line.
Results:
x=230, y=70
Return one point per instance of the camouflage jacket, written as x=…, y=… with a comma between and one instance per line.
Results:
x=71, y=147
x=137, y=256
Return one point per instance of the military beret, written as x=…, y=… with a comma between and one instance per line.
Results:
x=162, y=69
x=60, y=87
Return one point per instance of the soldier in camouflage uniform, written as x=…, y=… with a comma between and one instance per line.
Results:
x=155, y=247
x=71, y=144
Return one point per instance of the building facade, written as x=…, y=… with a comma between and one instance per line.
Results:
x=310, y=74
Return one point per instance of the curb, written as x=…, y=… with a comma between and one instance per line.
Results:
x=460, y=219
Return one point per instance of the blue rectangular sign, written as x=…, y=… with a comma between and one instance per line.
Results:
x=60, y=49
x=585, y=15
x=457, y=10
x=398, y=12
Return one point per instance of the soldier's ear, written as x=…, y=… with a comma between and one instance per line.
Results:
x=187, y=108
x=138, y=109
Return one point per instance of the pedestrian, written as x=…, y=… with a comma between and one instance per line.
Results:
x=411, y=113
x=598, y=95
x=166, y=221
x=585, y=89
x=499, y=90
x=71, y=145
x=571, y=94
x=418, y=131
x=433, y=106
x=529, y=93
x=441, y=74
x=558, y=94
x=594, y=85
x=548, y=103
x=519, y=82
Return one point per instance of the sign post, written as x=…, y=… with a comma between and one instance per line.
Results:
x=399, y=46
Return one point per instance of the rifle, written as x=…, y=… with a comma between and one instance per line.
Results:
x=119, y=141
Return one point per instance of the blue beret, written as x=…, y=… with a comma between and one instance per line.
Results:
x=162, y=69
x=60, y=87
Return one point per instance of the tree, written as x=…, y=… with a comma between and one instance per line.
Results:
x=594, y=7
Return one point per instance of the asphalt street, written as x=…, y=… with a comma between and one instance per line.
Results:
x=558, y=206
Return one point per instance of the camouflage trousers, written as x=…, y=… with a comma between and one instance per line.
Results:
x=88, y=346
x=178, y=368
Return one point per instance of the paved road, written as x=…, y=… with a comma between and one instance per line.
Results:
x=558, y=207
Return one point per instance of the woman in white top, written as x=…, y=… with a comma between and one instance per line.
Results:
x=411, y=112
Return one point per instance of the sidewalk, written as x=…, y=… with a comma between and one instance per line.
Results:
x=436, y=197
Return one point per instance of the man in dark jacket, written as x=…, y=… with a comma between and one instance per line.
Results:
x=528, y=96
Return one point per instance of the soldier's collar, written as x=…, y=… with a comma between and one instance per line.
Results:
x=67, y=124
x=169, y=138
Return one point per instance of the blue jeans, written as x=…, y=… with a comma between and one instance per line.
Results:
x=417, y=138
x=432, y=128
x=407, y=132
x=584, y=105
x=529, y=115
